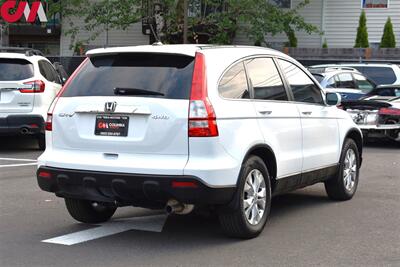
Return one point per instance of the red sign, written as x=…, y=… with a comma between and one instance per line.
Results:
x=22, y=8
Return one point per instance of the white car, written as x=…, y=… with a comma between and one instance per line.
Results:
x=350, y=84
x=28, y=85
x=179, y=126
x=379, y=73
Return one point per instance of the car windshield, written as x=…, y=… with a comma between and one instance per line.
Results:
x=15, y=69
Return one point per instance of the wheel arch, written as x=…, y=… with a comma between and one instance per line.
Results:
x=266, y=153
x=357, y=136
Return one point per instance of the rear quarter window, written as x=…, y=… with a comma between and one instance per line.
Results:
x=15, y=69
x=166, y=74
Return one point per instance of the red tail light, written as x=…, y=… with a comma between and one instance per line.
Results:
x=49, y=120
x=202, y=119
x=389, y=111
x=37, y=87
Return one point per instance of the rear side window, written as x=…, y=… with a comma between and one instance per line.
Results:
x=380, y=75
x=331, y=83
x=234, y=83
x=265, y=79
x=15, y=69
x=303, y=88
x=346, y=81
x=48, y=71
x=140, y=74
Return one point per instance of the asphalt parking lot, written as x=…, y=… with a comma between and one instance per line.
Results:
x=305, y=228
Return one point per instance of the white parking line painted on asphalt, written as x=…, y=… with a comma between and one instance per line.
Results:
x=18, y=165
x=154, y=223
x=17, y=159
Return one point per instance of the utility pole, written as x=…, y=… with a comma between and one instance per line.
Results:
x=185, y=21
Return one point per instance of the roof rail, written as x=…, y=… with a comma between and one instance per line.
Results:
x=24, y=50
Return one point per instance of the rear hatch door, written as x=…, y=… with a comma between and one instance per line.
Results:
x=127, y=103
x=13, y=74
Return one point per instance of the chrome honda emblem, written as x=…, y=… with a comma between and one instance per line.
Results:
x=110, y=106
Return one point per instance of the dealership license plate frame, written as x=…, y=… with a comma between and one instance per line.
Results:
x=114, y=125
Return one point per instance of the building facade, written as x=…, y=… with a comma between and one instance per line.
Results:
x=337, y=19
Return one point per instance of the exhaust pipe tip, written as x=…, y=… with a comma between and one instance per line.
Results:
x=175, y=207
x=24, y=130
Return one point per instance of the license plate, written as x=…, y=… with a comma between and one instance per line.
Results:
x=108, y=125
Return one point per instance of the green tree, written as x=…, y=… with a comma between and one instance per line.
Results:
x=218, y=22
x=362, y=32
x=325, y=44
x=388, y=38
x=292, y=38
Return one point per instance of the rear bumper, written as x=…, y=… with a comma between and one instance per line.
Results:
x=141, y=190
x=21, y=124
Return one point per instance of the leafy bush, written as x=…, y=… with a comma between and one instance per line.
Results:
x=362, y=33
x=388, y=38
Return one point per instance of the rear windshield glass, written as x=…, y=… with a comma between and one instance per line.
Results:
x=136, y=74
x=15, y=69
x=380, y=75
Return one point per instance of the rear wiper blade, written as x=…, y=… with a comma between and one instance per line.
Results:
x=134, y=91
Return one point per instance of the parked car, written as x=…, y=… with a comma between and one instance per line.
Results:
x=28, y=85
x=379, y=73
x=348, y=82
x=179, y=126
x=385, y=90
x=378, y=114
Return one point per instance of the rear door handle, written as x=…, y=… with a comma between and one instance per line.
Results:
x=307, y=112
x=265, y=112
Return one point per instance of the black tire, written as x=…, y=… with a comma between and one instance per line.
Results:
x=86, y=212
x=41, y=141
x=232, y=217
x=335, y=187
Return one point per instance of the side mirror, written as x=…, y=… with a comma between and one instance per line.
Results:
x=333, y=99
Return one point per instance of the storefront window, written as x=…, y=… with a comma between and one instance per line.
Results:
x=375, y=3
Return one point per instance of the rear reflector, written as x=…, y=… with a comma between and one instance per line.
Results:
x=202, y=119
x=177, y=184
x=37, y=87
x=44, y=174
x=389, y=111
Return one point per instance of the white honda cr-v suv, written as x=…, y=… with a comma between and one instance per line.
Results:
x=179, y=126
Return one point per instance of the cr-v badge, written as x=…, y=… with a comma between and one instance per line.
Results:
x=110, y=106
